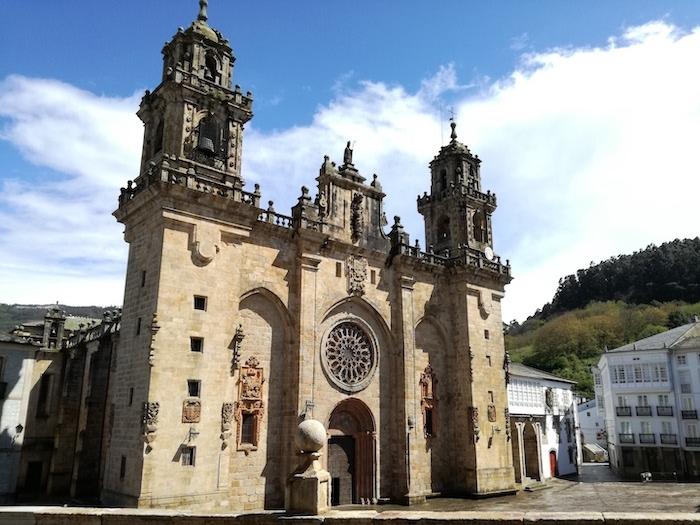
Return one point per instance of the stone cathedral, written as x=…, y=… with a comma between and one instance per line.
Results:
x=240, y=321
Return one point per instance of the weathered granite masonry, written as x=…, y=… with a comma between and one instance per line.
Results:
x=239, y=321
x=86, y=516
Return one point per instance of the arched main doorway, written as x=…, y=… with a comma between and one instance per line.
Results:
x=352, y=453
x=532, y=452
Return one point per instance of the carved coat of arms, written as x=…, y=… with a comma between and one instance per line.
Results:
x=356, y=270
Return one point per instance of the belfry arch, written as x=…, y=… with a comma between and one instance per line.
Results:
x=352, y=455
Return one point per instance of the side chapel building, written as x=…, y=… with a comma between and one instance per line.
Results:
x=239, y=321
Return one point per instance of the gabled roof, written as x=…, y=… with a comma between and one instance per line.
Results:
x=685, y=336
x=517, y=369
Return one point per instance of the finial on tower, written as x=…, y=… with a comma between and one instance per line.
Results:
x=202, y=10
x=453, y=125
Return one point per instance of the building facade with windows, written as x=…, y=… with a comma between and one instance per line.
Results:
x=54, y=410
x=544, y=425
x=592, y=424
x=239, y=321
x=649, y=392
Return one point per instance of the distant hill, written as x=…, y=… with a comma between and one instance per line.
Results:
x=567, y=344
x=617, y=301
x=12, y=315
x=670, y=272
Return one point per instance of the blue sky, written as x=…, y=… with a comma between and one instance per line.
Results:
x=554, y=97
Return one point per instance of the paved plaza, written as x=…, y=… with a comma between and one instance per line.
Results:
x=596, y=489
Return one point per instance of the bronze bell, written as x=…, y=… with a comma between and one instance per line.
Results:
x=206, y=144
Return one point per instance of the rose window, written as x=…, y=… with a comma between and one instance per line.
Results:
x=349, y=357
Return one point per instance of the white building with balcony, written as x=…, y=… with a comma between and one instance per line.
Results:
x=648, y=392
x=544, y=425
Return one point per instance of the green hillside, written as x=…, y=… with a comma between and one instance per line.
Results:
x=568, y=344
x=608, y=304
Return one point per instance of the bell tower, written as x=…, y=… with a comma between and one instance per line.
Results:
x=457, y=213
x=193, y=116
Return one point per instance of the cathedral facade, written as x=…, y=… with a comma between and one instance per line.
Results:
x=239, y=321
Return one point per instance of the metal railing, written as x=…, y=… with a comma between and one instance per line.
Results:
x=689, y=414
x=647, y=438
x=692, y=441
x=669, y=439
x=664, y=410
x=643, y=411
x=626, y=438
x=623, y=411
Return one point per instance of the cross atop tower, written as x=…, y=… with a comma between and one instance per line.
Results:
x=203, y=4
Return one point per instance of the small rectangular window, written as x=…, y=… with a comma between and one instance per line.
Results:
x=143, y=278
x=338, y=269
x=196, y=344
x=487, y=335
x=373, y=277
x=188, y=456
x=122, y=468
x=200, y=302
x=490, y=396
x=194, y=387
x=488, y=360
x=131, y=396
x=138, y=326
x=248, y=429
x=681, y=359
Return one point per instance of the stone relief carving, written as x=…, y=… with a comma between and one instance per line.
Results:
x=349, y=357
x=549, y=399
x=357, y=216
x=226, y=421
x=191, y=411
x=428, y=383
x=474, y=416
x=507, y=416
x=491, y=412
x=154, y=331
x=150, y=420
x=484, y=309
x=236, y=347
x=250, y=402
x=356, y=270
x=204, y=244
x=506, y=366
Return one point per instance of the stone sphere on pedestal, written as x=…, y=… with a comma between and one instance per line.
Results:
x=311, y=436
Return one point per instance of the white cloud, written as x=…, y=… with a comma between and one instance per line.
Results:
x=591, y=152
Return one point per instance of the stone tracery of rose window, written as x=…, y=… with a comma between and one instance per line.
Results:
x=349, y=356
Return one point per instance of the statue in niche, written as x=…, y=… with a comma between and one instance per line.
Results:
x=357, y=216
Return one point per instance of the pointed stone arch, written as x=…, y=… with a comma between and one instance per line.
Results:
x=267, y=328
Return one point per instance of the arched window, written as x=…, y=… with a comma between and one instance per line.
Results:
x=158, y=138
x=443, y=179
x=209, y=140
x=479, y=226
x=211, y=68
x=444, y=229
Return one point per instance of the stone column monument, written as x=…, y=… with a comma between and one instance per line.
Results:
x=307, y=490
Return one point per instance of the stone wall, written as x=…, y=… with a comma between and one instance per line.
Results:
x=86, y=516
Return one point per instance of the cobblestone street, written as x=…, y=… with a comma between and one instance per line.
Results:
x=595, y=490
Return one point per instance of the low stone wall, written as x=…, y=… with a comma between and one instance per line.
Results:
x=88, y=516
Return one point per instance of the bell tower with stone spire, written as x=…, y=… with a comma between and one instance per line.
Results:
x=456, y=212
x=194, y=117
